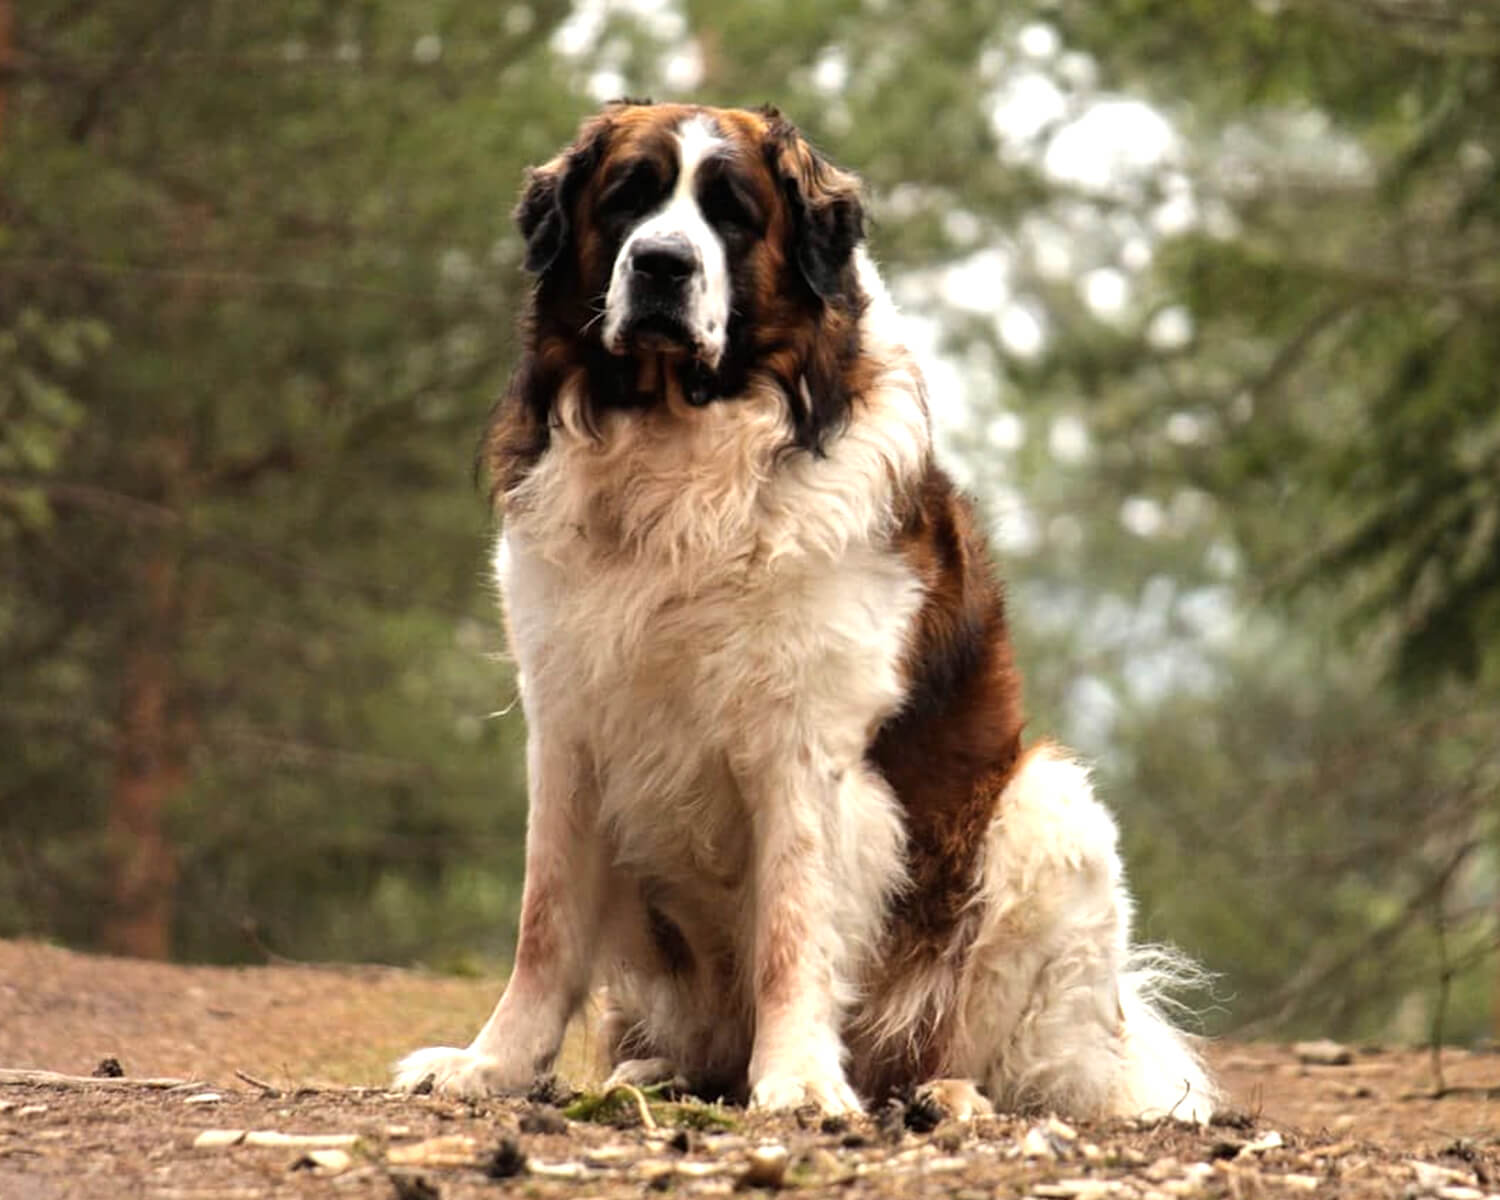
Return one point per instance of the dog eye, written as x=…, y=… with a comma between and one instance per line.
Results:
x=726, y=206
x=633, y=194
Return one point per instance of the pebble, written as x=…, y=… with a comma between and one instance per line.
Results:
x=558, y=1170
x=1323, y=1053
x=767, y=1166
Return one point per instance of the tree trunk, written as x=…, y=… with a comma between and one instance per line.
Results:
x=149, y=770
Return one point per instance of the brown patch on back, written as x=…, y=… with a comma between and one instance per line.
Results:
x=948, y=754
x=953, y=746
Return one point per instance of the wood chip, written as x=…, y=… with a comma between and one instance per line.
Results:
x=1271, y=1140
x=31, y=1110
x=324, y=1162
x=217, y=1139
x=558, y=1170
x=11, y=1075
x=203, y=1098
x=300, y=1141
x=450, y=1150
x=1431, y=1176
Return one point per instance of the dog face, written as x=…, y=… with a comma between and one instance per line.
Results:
x=709, y=243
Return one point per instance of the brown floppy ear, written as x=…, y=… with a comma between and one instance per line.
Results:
x=547, y=197
x=828, y=219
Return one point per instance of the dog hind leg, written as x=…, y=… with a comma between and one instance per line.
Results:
x=1057, y=1010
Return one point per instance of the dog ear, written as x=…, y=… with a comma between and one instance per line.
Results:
x=828, y=219
x=546, y=204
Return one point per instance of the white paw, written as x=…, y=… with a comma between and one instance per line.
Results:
x=644, y=1073
x=827, y=1091
x=958, y=1098
x=454, y=1072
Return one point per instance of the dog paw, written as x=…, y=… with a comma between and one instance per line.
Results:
x=957, y=1099
x=644, y=1073
x=828, y=1092
x=449, y=1071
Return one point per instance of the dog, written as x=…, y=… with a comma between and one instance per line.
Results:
x=779, y=805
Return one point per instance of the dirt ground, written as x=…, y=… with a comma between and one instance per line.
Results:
x=283, y=1067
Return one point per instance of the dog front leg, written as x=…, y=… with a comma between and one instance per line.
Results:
x=561, y=910
x=798, y=979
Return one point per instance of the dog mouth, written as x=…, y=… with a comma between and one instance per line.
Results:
x=657, y=331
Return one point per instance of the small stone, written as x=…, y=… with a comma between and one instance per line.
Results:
x=31, y=1110
x=1343, y=1122
x=108, y=1068
x=203, y=1098
x=1323, y=1053
x=1456, y=1191
x=767, y=1166
x=1301, y=1183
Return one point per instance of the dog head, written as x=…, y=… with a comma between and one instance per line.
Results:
x=698, y=245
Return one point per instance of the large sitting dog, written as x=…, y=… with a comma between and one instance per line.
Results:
x=779, y=804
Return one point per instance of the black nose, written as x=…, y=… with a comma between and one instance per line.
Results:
x=664, y=260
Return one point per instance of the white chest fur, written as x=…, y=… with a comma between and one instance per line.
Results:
x=684, y=602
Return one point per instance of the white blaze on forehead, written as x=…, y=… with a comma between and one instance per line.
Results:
x=705, y=301
x=696, y=140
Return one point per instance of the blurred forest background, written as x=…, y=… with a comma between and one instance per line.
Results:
x=1212, y=297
